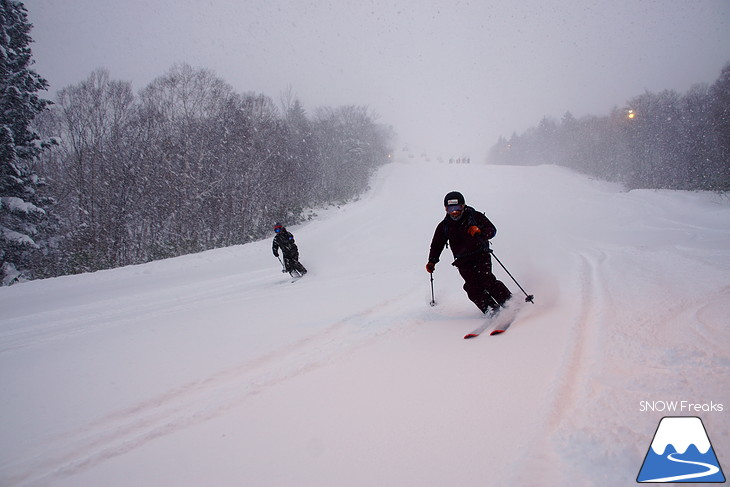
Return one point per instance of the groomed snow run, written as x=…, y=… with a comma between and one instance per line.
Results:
x=215, y=370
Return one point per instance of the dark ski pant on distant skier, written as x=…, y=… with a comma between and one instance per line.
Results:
x=479, y=282
x=291, y=262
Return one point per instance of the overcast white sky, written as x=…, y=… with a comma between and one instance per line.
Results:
x=450, y=76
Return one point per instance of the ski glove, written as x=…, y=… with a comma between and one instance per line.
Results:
x=474, y=230
x=430, y=267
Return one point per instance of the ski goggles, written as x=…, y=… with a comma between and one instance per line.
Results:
x=277, y=229
x=453, y=208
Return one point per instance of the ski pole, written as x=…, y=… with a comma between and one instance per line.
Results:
x=433, y=299
x=528, y=297
x=283, y=267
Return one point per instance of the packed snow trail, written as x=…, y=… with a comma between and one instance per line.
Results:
x=214, y=369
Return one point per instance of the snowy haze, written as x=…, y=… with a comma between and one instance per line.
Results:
x=214, y=369
x=451, y=77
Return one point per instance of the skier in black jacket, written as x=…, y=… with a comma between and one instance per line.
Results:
x=468, y=232
x=285, y=241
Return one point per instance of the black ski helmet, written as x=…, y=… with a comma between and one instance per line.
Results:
x=453, y=198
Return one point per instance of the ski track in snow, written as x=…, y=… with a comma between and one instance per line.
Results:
x=563, y=394
x=112, y=312
x=569, y=373
x=131, y=427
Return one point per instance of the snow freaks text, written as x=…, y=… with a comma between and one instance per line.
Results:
x=680, y=407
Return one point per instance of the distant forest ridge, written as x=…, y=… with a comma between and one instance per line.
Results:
x=188, y=165
x=663, y=140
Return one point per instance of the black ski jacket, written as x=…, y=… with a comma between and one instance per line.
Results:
x=455, y=233
x=285, y=241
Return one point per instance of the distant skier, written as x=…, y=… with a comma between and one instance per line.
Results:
x=468, y=232
x=285, y=241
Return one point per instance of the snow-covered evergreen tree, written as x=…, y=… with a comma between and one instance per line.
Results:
x=20, y=206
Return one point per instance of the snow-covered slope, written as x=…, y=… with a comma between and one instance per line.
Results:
x=214, y=369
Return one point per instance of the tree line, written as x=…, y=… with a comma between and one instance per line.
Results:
x=659, y=140
x=105, y=177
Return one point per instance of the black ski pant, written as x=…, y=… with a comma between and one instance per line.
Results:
x=482, y=287
x=291, y=263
